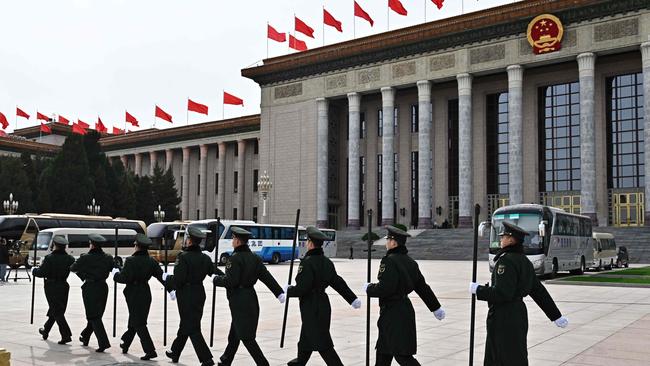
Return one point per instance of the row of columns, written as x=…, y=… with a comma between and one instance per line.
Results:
x=645, y=57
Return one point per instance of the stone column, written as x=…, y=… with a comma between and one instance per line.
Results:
x=424, y=155
x=354, y=172
x=586, y=69
x=465, y=161
x=153, y=156
x=185, y=174
x=388, y=175
x=645, y=56
x=322, y=191
x=125, y=161
x=221, y=169
x=169, y=158
x=241, y=167
x=138, y=164
x=203, y=183
x=515, y=134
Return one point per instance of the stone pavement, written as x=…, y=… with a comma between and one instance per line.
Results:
x=608, y=326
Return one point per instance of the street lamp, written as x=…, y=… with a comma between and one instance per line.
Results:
x=10, y=205
x=159, y=214
x=264, y=185
x=93, y=208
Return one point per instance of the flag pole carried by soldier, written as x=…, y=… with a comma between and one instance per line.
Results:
x=55, y=268
x=315, y=273
x=192, y=266
x=93, y=268
x=136, y=272
x=398, y=276
x=243, y=269
x=513, y=279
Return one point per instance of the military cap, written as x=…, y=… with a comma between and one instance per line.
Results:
x=97, y=239
x=60, y=240
x=513, y=230
x=195, y=232
x=142, y=240
x=315, y=235
x=239, y=232
x=398, y=234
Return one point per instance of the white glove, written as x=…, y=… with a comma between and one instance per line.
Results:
x=473, y=286
x=164, y=276
x=282, y=298
x=356, y=303
x=172, y=295
x=364, y=288
x=114, y=271
x=284, y=288
x=440, y=313
x=562, y=322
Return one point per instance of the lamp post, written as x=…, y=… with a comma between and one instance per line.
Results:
x=93, y=208
x=10, y=205
x=264, y=185
x=159, y=214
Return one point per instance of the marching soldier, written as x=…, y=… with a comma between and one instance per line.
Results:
x=398, y=276
x=137, y=271
x=513, y=279
x=243, y=270
x=55, y=269
x=187, y=283
x=315, y=274
x=93, y=268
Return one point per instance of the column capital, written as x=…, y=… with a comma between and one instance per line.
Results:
x=203, y=148
x=354, y=102
x=424, y=90
x=586, y=61
x=388, y=96
x=645, y=51
x=322, y=103
x=464, y=84
x=515, y=74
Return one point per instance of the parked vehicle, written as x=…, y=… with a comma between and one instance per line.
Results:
x=622, y=257
x=604, y=251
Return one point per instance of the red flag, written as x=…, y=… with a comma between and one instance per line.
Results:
x=271, y=33
x=78, y=129
x=21, y=113
x=45, y=128
x=397, y=7
x=82, y=124
x=231, y=99
x=3, y=121
x=99, y=126
x=197, y=107
x=3, y=134
x=163, y=115
x=132, y=120
x=63, y=120
x=438, y=3
x=297, y=44
x=331, y=21
x=117, y=131
x=303, y=28
x=42, y=116
x=359, y=12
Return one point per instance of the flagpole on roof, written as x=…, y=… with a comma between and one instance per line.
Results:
x=187, y=111
x=388, y=16
x=125, y=121
x=16, y=119
x=323, y=25
x=267, y=39
x=424, y=2
x=223, y=105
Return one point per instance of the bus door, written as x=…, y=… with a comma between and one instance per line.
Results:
x=28, y=240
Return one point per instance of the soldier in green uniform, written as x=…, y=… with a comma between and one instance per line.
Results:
x=55, y=269
x=398, y=276
x=513, y=279
x=187, y=283
x=315, y=273
x=93, y=268
x=243, y=270
x=137, y=271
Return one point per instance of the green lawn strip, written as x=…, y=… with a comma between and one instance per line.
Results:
x=645, y=281
x=645, y=271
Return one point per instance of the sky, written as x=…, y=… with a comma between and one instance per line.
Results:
x=83, y=59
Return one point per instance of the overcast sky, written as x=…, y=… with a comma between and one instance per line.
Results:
x=82, y=58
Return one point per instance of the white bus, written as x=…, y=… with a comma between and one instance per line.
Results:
x=605, y=253
x=329, y=246
x=558, y=240
x=78, y=240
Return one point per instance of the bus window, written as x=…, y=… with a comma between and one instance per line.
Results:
x=78, y=241
x=69, y=223
x=47, y=224
x=12, y=227
x=288, y=233
x=265, y=232
x=43, y=240
x=302, y=235
x=30, y=233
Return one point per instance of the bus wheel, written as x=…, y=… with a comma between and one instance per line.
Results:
x=223, y=259
x=611, y=264
x=600, y=266
x=582, y=268
x=618, y=263
x=275, y=258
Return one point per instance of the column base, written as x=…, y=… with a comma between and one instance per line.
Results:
x=353, y=225
x=321, y=224
x=464, y=222
x=424, y=223
x=594, y=217
x=387, y=221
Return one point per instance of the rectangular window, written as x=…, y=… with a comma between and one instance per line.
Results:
x=452, y=146
x=256, y=147
x=216, y=183
x=395, y=121
x=216, y=213
x=363, y=125
x=380, y=123
x=236, y=180
x=414, y=118
x=255, y=179
x=380, y=163
x=255, y=214
x=198, y=185
x=497, y=143
x=237, y=149
x=395, y=176
x=234, y=213
x=362, y=188
x=217, y=152
x=414, y=187
x=198, y=216
x=181, y=185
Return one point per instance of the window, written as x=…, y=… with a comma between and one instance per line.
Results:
x=452, y=146
x=236, y=180
x=216, y=213
x=198, y=185
x=255, y=214
x=625, y=124
x=256, y=147
x=379, y=186
x=414, y=118
x=237, y=149
x=255, y=179
x=216, y=184
x=414, y=187
x=234, y=213
x=217, y=152
x=362, y=118
x=559, y=116
x=395, y=121
x=497, y=143
x=181, y=185
x=380, y=123
x=395, y=176
x=198, y=216
x=362, y=188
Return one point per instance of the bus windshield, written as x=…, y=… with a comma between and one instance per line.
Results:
x=43, y=240
x=529, y=221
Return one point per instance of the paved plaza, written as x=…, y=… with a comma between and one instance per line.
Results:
x=608, y=325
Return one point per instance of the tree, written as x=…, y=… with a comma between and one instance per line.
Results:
x=144, y=206
x=16, y=181
x=121, y=183
x=102, y=193
x=70, y=185
x=165, y=194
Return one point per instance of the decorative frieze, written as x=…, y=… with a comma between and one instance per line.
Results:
x=403, y=69
x=368, y=76
x=615, y=30
x=487, y=54
x=442, y=62
x=337, y=81
x=287, y=91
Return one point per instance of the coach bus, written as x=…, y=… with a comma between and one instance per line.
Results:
x=169, y=235
x=78, y=241
x=558, y=240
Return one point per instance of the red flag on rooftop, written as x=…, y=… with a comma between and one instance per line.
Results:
x=271, y=33
x=45, y=128
x=303, y=28
x=82, y=124
x=100, y=127
x=3, y=121
x=331, y=21
x=41, y=116
x=438, y=3
x=297, y=44
x=21, y=113
x=396, y=6
x=117, y=131
x=231, y=99
x=78, y=129
x=132, y=120
x=163, y=115
x=63, y=120
x=3, y=134
x=359, y=12
x=197, y=107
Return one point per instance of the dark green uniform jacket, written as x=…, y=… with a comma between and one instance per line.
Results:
x=137, y=271
x=398, y=276
x=243, y=270
x=93, y=268
x=55, y=269
x=513, y=279
x=315, y=273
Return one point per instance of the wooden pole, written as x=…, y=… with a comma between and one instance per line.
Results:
x=286, y=303
x=477, y=211
x=115, y=288
x=31, y=318
x=214, y=287
x=369, y=240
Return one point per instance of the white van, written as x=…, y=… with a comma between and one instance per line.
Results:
x=78, y=240
x=605, y=253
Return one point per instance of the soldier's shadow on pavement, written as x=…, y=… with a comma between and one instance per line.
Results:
x=55, y=351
